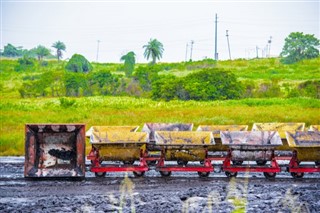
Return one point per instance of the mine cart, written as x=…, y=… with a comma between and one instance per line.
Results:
x=116, y=145
x=306, y=148
x=54, y=150
x=250, y=146
x=315, y=128
x=284, y=151
x=219, y=151
x=184, y=146
x=154, y=150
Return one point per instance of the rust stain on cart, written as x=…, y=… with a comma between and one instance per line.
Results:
x=54, y=150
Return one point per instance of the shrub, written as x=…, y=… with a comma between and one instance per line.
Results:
x=104, y=83
x=25, y=64
x=212, y=84
x=146, y=76
x=167, y=88
x=66, y=103
x=78, y=63
x=310, y=89
x=209, y=84
x=269, y=89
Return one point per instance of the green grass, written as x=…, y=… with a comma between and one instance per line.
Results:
x=15, y=113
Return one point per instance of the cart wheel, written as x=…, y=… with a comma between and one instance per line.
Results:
x=270, y=175
x=237, y=162
x=231, y=174
x=138, y=174
x=182, y=162
x=297, y=174
x=100, y=161
x=261, y=162
x=317, y=163
x=203, y=174
x=165, y=173
x=129, y=162
x=152, y=163
x=100, y=174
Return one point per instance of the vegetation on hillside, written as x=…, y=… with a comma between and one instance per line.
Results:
x=199, y=80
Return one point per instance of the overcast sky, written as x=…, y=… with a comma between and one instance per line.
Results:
x=124, y=26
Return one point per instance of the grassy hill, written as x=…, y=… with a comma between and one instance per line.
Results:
x=15, y=111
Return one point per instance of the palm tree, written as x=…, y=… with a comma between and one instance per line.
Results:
x=41, y=51
x=60, y=46
x=153, y=49
x=129, y=62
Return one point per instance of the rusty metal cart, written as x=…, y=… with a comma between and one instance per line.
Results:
x=111, y=143
x=219, y=151
x=284, y=151
x=251, y=146
x=154, y=150
x=184, y=146
x=306, y=148
x=54, y=150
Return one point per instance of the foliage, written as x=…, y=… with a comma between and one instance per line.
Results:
x=66, y=103
x=41, y=51
x=146, y=76
x=60, y=46
x=167, y=88
x=11, y=51
x=153, y=49
x=104, y=82
x=212, y=84
x=76, y=84
x=298, y=47
x=269, y=89
x=78, y=63
x=25, y=64
x=209, y=84
x=129, y=62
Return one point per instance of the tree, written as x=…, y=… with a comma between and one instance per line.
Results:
x=298, y=47
x=78, y=63
x=153, y=49
x=11, y=51
x=129, y=62
x=60, y=46
x=41, y=51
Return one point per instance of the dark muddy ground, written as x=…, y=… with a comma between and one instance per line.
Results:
x=182, y=192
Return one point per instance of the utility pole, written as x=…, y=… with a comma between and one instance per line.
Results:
x=228, y=44
x=186, y=51
x=98, y=50
x=216, y=39
x=269, y=42
x=191, y=49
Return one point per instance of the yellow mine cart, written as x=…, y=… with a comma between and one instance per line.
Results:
x=306, y=147
x=184, y=146
x=281, y=128
x=215, y=129
x=314, y=128
x=117, y=144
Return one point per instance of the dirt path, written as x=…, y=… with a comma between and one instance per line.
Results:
x=182, y=192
